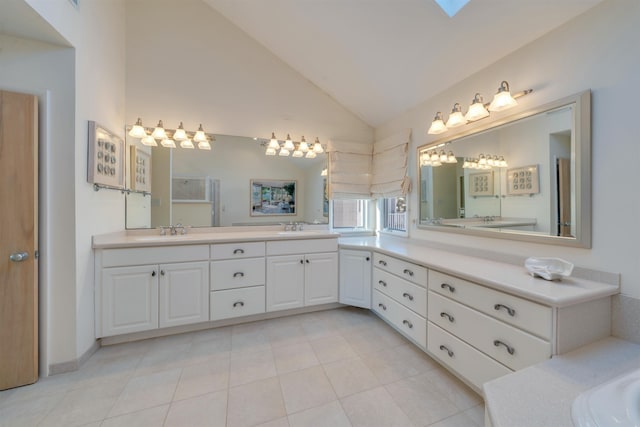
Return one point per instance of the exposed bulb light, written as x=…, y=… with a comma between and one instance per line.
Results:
x=477, y=110
x=158, y=132
x=137, y=131
x=283, y=152
x=304, y=147
x=288, y=144
x=437, y=125
x=456, y=118
x=200, y=136
x=149, y=141
x=186, y=143
x=310, y=155
x=273, y=143
x=180, y=134
x=503, y=99
x=168, y=142
x=317, y=147
x=270, y=151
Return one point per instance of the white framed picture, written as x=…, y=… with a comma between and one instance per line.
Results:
x=524, y=180
x=105, y=165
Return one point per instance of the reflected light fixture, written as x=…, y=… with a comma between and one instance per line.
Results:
x=283, y=152
x=298, y=152
x=180, y=134
x=503, y=99
x=199, y=136
x=456, y=118
x=310, y=155
x=168, y=142
x=137, y=131
x=148, y=141
x=270, y=151
x=204, y=145
x=324, y=172
x=273, y=143
x=186, y=143
x=288, y=143
x=437, y=125
x=304, y=147
x=317, y=147
x=158, y=132
x=477, y=109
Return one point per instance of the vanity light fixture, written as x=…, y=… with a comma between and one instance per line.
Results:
x=317, y=147
x=288, y=143
x=180, y=134
x=148, y=140
x=435, y=158
x=291, y=148
x=304, y=147
x=456, y=118
x=168, y=142
x=437, y=125
x=310, y=155
x=159, y=132
x=200, y=135
x=485, y=162
x=187, y=143
x=205, y=145
x=477, y=109
x=137, y=131
x=502, y=100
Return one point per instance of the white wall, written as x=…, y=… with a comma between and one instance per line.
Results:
x=599, y=50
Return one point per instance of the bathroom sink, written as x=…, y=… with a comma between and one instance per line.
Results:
x=167, y=238
x=299, y=233
x=614, y=403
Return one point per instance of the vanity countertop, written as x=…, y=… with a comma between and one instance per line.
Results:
x=510, y=278
x=146, y=239
x=542, y=394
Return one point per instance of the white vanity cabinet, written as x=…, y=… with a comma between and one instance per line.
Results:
x=139, y=289
x=355, y=278
x=237, y=279
x=301, y=273
x=400, y=296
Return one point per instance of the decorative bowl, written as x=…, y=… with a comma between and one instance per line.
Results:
x=548, y=268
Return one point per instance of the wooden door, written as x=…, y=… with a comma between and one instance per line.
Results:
x=18, y=239
x=564, y=198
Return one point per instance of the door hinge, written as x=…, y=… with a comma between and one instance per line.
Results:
x=36, y=254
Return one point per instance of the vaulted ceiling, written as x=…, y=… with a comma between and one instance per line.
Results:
x=379, y=58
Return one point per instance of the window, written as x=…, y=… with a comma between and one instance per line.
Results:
x=394, y=214
x=350, y=214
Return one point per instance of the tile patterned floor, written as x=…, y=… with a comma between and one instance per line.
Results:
x=342, y=367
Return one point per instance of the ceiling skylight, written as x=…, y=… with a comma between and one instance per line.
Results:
x=451, y=7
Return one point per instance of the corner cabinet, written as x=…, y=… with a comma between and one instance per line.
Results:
x=355, y=278
x=301, y=273
x=144, y=289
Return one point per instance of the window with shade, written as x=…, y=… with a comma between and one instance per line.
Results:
x=351, y=214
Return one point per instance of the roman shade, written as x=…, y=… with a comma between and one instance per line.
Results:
x=389, y=166
x=349, y=170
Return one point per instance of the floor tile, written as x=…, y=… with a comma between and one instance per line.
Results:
x=329, y=415
x=250, y=366
x=459, y=420
x=280, y=422
x=331, y=348
x=203, y=378
x=163, y=359
x=454, y=389
x=374, y=408
x=422, y=403
x=395, y=363
x=146, y=391
x=306, y=389
x=152, y=417
x=255, y=403
x=294, y=357
x=285, y=332
x=209, y=410
x=29, y=412
x=249, y=337
x=350, y=376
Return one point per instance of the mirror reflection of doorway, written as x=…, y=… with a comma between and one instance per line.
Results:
x=563, y=179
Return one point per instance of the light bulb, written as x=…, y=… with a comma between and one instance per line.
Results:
x=274, y=144
x=283, y=152
x=158, y=132
x=204, y=145
x=304, y=147
x=186, y=143
x=451, y=158
x=168, y=142
x=456, y=118
x=310, y=155
x=200, y=136
x=137, y=131
x=437, y=125
x=149, y=141
x=270, y=151
x=180, y=134
x=482, y=160
x=434, y=156
x=288, y=143
x=297, y=152
x=443, y=157
x=317, y=147
x=476, y=110
x=503, y=99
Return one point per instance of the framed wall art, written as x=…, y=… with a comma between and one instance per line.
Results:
x=105, y=165
x=524, y=180
x=140, y=170
x=481, y=184
x=273, y=197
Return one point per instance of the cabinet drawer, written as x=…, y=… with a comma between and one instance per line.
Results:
x=406, y=293
x=308, y=246
x=468, y=362
x=404, y=320
x=510, y=346
x=527, y=315
x=154, y=255
x=237, y=273
x=237, y=250
x=407, y=270
x=237, y=302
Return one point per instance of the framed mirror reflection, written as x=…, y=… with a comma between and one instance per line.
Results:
x=525, y=177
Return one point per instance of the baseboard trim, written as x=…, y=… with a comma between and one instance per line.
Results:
x=73, y=365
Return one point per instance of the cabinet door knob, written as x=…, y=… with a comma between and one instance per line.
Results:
x=238, y=303
x=238, y=274
x=153, y=273
x=382, y=306
x=162, y=272
x=367, y=258
x=448, y=316
x=308, y=261
x=382, y=262
x=448, y=286
x=383, y=283
x=301, y=261
x=238, y=251
x=409, y=272
x=409, y=296
x=449, y=352
x=409, y=324
x=510, y=310
x=510, y=349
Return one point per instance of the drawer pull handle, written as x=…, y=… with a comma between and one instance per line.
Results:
x=510, y=310
x=448, y=316
x=448, y=286
x=382, y=262
x=409, y=272
x=510, y=349
x=406, y=295
x=238, y=274
x=409, y=324
x=449, y=352
x=383, y=283
x=382, y=306
x=238, y=251
x=238, y=303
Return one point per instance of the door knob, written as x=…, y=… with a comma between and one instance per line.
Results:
x=19, y=256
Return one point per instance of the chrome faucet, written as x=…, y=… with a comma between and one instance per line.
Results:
x=173, y=229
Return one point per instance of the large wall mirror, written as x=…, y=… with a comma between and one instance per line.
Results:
x=202, y=188
x=526, y=177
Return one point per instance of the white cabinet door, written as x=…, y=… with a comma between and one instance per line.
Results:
x=355, y=278
x=184, y=293
x=285, y=282
x=321, y=278
x=129, y=299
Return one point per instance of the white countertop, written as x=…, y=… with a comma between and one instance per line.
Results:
x=542, y=395
x=498, y=275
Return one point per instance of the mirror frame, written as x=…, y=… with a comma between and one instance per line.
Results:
x=582, y=172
